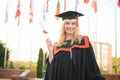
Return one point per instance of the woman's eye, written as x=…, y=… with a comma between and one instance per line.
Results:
x=67, y=23
x=73, y=23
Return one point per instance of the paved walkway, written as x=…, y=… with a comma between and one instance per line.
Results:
x=28, y=79
x=4, y=79
x=35, y=79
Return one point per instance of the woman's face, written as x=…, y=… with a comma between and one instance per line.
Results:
x=70, y=25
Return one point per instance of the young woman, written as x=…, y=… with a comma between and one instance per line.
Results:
x=72, y=57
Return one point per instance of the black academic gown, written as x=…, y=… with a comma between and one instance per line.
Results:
x=74, y=62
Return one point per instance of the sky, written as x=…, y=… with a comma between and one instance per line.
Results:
x=25, y=40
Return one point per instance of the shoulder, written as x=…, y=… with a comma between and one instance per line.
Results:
x=84, y=40
x=84, y=43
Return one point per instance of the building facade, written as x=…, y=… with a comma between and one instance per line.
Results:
x=103, y=54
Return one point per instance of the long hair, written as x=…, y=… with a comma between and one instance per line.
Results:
x=76, y=35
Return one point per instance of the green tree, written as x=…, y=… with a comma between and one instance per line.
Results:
x=116, y=66
x=44, y=61
x=40, y=64
x=12, y=65
x=3, y=49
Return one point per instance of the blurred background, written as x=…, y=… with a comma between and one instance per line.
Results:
x=26, y=24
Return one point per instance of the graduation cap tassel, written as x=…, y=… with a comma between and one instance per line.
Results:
x=77, y=23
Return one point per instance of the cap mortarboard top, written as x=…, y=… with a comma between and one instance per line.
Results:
x=69, y=15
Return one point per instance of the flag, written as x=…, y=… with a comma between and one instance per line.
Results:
x=76, y=5
x=31, y=12
x=118, y=3
x=86, y=1
x=6, y=14
x=47, y=5
x=64, y=5
x=44, y=12
x=18, y=13
x=94, y=5
x=58, y=9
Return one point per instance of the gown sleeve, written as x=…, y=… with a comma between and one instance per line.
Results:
x=48, y=70
x=92, y=68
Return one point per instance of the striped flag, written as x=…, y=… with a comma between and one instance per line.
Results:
x=86, y=1
x=18, y=13
x=6, y=14
x=118, y=3
x=64, y=5
x=94, y=5
x=58, y=9
x=31, y=12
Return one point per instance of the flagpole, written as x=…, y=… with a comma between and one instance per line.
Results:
x=31, y=21
x=94, y=6
x=96, y=34
x=5, y=58
x=6, y=20
x=115, y=38
x=18, y=32
x=18, y=40
x=31, y=47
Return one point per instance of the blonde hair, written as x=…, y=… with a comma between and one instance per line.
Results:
x=76, y=35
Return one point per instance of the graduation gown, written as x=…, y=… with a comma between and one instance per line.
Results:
x=74, y=62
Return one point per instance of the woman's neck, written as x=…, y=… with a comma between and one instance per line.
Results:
x=69, y=36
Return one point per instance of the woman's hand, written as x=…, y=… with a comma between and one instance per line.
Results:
x=50, y=48
x=49, y=45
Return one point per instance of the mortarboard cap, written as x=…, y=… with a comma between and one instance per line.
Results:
x=69, y=15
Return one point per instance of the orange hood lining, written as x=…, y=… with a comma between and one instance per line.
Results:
x=86, y=45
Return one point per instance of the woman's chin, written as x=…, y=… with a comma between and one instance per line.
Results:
x=70, y=33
